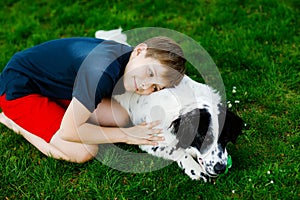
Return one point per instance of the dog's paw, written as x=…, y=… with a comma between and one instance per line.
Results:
x=193, y=169
x=204, y=177
x=196, y=174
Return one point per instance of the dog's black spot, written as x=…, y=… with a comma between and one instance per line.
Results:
x=202, y=174
x=185, y=157
x=213, y=152
x=193, y=172
x=172, y=150
x=162, y=148
x=220, y=154
x=233, y=126
x=191, y=128
x=180, y=164
x=154, y=149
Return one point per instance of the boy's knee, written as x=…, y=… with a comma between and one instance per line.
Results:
x=72, y=151
x=84, y=156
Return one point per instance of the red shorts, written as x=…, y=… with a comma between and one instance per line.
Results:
x=37, y=114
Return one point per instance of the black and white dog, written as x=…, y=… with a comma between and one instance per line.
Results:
x=195, y=125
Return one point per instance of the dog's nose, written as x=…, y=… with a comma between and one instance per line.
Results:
x=219, y=168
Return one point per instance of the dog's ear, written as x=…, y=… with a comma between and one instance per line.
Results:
x=191, y=128
x=232, y=128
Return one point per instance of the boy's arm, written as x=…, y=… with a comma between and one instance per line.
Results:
x=74, y=128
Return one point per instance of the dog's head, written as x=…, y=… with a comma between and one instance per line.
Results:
x=196, y=134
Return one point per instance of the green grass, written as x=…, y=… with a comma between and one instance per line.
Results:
x=255, y=45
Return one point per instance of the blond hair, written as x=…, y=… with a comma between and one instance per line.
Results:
x=170, y=55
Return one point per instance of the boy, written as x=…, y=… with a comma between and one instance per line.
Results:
x=59, y=92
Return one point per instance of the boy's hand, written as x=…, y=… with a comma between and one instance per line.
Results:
x=144, y=134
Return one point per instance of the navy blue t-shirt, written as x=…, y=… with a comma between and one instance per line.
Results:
x=85, y=68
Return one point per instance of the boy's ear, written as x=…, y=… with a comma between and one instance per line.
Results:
x=140, y=48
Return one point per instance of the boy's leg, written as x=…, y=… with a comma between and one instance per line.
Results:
x=40, y=119
x=75, y=152
x=38, y=142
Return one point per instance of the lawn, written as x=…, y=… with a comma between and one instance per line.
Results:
x=255, y=45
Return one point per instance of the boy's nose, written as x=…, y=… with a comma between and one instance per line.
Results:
x=145, y=85
x=146, y=88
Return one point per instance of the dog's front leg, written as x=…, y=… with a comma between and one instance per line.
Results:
x=193, y=169
x=184, y=160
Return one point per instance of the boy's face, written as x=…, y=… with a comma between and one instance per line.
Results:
x=143, y=75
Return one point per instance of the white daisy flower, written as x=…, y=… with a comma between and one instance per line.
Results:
x=233, y=89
